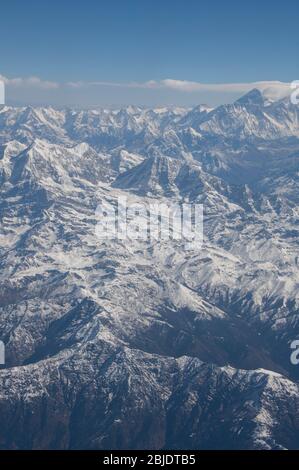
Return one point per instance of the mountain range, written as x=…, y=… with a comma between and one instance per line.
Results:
x=117, y=344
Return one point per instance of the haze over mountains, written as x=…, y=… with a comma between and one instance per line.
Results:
x=132, y=344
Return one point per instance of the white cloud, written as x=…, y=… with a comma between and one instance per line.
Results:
x=148, y=84
x=274, y=89
x=183, y=91
x=184, y=85
x=33, y=82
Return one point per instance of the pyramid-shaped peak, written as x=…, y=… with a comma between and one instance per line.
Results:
x=154, y=175
x=253, y=97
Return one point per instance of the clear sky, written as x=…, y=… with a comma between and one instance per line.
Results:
x=123, y=51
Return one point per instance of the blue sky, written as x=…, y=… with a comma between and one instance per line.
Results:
x=104, y=48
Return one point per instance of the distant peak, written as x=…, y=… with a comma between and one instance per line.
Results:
x=253, y=97
x=203, y=108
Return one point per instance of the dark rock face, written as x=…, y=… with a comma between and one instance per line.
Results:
x=119, y=399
